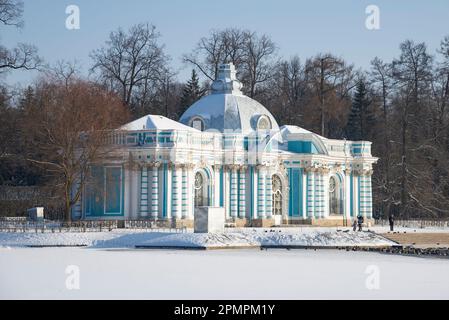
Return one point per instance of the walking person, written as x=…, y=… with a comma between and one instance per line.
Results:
x=391, y=222
x=354, y=225
x=360, y=221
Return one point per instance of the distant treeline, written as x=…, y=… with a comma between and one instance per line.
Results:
x=402, y=105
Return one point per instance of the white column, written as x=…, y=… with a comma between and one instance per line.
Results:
x=216, y=175
x=168, y=191
x=143, y=191
x=234, y=192
x=365, y=196
x=190, y=191
x=175, y=190
x=184, y=194
x=227, y=191
x=311, y=194
x=355, y=194
x=254, y=192
x=261, y=193
x=347, y=193
x=319, y=194
x=127, y=186
x=242, y=193
x=326, y=194
x=304, y=194
x=369, y=200
x=155, y=191
x=134, y=192
x=269, y=195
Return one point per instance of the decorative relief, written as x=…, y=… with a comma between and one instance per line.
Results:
x=362, y=172
x=318, y=167
x=338, y=168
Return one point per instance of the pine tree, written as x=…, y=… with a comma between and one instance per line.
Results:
x=361, y=117
x=191, y=93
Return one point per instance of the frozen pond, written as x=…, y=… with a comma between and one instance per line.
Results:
x=224, y=274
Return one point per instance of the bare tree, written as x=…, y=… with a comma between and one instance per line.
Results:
x=220, y=46
x=69, y=125
x=63, y=72
x=11, y=12
x=286, y=92
x=412, y=73
x=7, y=121
x=129, y=60
x=258, y=61
x=381, y=79
x=252, y=55
x=440, y=85
x=23, y=56
x=329, y=77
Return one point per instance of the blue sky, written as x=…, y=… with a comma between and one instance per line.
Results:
x=298, y=27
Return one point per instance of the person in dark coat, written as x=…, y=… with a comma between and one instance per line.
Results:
x=360, y=221
x=391, y=222
x=354, y=225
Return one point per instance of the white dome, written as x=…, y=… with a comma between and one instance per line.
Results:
x=226, y=109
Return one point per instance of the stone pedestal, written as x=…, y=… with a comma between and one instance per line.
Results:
x=209, y=219
x=36, y=214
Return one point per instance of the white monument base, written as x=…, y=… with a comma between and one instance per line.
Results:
x=209, y=219
x=36, y=214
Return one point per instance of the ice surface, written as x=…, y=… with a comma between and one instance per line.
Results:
x=225, y=274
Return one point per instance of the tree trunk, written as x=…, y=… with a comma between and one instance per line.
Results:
x=68, y=202
x=404, y=162
x=322, y=96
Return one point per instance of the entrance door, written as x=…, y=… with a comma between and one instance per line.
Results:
x=277, y=196
x=335, y=201
x=201, y=190
x=103, y=192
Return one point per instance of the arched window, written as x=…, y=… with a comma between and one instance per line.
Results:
x=201, y=190
x=335, y=201
x=197, y=123
x=277, y=195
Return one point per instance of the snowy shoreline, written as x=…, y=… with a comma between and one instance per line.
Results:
x=240, y=238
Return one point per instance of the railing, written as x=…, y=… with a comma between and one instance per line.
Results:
x=21, y=224
x=152, y=225
x=415, y=223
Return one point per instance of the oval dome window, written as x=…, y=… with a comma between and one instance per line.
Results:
x=198, y=124
x=263, y=123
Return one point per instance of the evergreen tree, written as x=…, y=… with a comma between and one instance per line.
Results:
x=361, y=117
x=191, y=93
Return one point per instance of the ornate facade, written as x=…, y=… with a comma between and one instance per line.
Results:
x=227, y=150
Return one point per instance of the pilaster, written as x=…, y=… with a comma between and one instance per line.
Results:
x=242, y=192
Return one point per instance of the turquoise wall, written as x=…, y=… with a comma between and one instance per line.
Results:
x=104, y=192
x=302, y=147
x=296, y=187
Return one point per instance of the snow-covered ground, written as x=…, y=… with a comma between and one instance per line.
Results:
x=231, y=238
x=224, y=274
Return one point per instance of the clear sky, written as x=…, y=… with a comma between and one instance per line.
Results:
x=298, y=27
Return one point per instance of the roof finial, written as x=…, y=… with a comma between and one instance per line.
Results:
x=227, y=81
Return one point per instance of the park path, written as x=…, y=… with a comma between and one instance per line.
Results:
x=421, y=240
